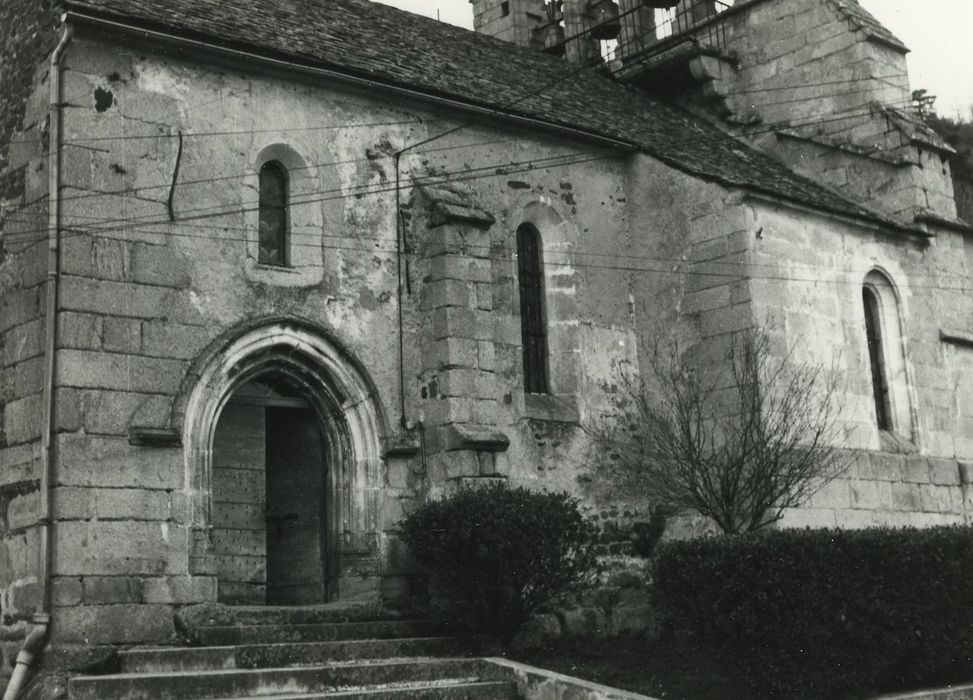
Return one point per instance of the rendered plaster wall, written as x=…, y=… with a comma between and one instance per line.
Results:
x=807, y=279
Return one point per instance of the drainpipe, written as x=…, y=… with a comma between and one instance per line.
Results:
x=37, y=636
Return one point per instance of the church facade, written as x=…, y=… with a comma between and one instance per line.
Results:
x=270, y=279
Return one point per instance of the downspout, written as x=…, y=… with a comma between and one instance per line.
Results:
x=37, y=636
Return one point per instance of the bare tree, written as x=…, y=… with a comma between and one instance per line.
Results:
x=739, y=447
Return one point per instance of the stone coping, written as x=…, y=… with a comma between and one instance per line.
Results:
x=959, y=692
x=535, y=683
x=540, y=684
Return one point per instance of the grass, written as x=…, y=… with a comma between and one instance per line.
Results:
x=669, y=670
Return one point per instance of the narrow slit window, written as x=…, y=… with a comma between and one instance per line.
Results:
x=876, y=357
x=273, y=215
x=533, y=326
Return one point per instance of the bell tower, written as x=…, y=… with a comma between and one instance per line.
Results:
x=510, y=20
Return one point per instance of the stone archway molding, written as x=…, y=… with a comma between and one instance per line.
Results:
x=334, y=382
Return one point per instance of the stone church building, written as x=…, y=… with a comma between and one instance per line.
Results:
x=274, y=272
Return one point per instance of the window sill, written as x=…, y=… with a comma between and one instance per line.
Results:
x=894, y=443
x=559, y=408
x=266, y=267
x=293, y=276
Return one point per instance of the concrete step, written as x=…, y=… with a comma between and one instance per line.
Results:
x=315, y=632
x=355, y=675
x=282, y=655
x=478, y=690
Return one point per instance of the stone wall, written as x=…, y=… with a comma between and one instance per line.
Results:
x=27, y=36
x=891, y=490
x=837, y=129
x=818, y=86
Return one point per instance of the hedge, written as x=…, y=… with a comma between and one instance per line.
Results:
x=829, y=613
x=493, y=555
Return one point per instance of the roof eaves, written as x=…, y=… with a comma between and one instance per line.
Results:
x=258, y=53
x=872, y=219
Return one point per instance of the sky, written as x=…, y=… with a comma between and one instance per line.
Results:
x=937, y=31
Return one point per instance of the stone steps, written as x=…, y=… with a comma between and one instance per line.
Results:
x=367, y=659
x=286, y=654
x=314, y=632
x=406, y=675
x=477, y=690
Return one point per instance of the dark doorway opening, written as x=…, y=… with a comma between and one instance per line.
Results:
x=272, y=499
x=295, y=508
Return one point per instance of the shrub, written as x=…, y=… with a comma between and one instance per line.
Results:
x=494, y=554
x=829, y=613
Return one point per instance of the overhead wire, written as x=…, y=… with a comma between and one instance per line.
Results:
x=764, y=128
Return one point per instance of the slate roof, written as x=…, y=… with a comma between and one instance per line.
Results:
x=383, y=43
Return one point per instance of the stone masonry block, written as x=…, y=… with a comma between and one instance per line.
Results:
x=459, y=267
x=483, y=296
x=173, y=340
x=441, y=411
x=115, y=412
x=460, y=464
x=86, y=460
x=906, y=497
x=67, y=410
x=122, y=548
x=22, y=419
x=944, y=472
x=134, y=373
x=104, y=590
x=99, y=258
x=82, y=331
x=915, y=470
x=872, y=495
x=23, y=511
x=23, y=342
x=114, y=298
x=445, y=293
x=183, y=590
x=75, y=503
x=452, y=352
x=456, y=382
x=939, y=499
x=122, y=335
x=485, y=411
x=836, y=494
x=888, y=467
x=23, y=599
x=68, y=590
x=19, y=306
x=455, y=322
x=114, y=624
x=159, y=265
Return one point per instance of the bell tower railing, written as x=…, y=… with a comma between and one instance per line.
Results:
x=649, y=33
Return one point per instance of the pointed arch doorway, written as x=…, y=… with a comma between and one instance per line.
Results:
x=283, y=431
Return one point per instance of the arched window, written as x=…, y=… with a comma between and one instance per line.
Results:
x=886, y=356
x=533, y=326
x=273, y=215
x=876, y=357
